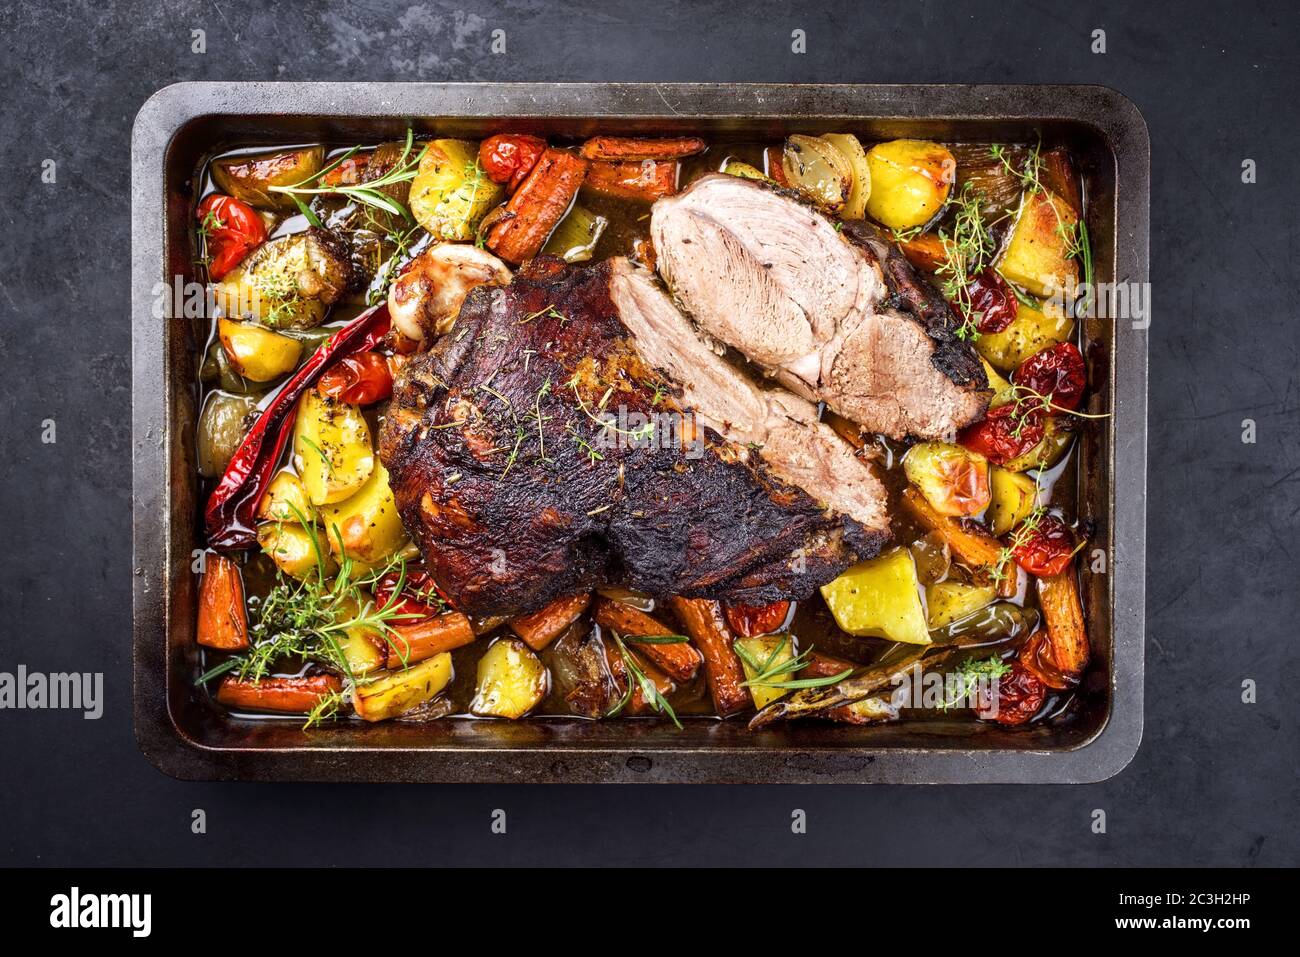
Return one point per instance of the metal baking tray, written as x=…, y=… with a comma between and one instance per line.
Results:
x=187, y=737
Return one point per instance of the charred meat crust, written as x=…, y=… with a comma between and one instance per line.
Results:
x=503, y=479
x=911, y=294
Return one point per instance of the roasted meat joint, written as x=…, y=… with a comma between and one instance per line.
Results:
x=653, y=427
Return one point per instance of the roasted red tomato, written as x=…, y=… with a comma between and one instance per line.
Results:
x=992, y=300
x=233, y=230
x=750, y=621
x=509, y=157
x=1006, y=432
x=1020, y=696
x=1045, y=549
x=1057, y=373
x=420, y=594
x=358, y=380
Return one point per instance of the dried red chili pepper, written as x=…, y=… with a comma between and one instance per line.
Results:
x=228, y=517
x=1044, y=549
x=1020, y=696
x=361, y=379
x=753, y=620
x=1057, y=373
x=510, y=157
x=233, y=230
x=1005, y=433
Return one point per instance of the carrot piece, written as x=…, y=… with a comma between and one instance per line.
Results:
x=223, y=616
x=972, y=544
x=634, y=148
x=424, y=639
x=1060, y=178
x=542, y=627
x=925, y=251
x=540, y=202
x=679, y=660
x=637, y=703
x=645, y=181
x=287, y=695
x=1067, y=635
x=707, y=626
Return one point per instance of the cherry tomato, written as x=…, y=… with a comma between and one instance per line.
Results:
x=509, y=157
x=358, y=380
x=992, y=300
x=420, y=595
x=1006, y=432
x=750, y=621
x=1057, y=373
x=1020, y=696
x=233, y=230
x=1045, y=549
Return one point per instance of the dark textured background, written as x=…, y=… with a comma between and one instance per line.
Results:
x=1215, y=781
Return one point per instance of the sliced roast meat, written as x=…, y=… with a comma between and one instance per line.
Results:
x=837, y=316
x=574, y=431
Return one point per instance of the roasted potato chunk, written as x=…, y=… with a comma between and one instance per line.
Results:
x=450, y=193
x=881, y=598
x=511, y=680
x=331, y=448
x=256, y=352
x=773, y=649
x=1013, y=498
x=1038, y=255
x=1031, y=331
x=285, y=500
x=292, y=549
x=250, y=178
x=910, y=182
x=951, y=601
x=400, y=691
x=366, y=526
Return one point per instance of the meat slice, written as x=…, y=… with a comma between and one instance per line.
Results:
x=837, y=317
x=548, y=445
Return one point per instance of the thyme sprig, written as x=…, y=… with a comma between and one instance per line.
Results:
x=970, y=672
x=969, y=249
x=368, y=193
x=772, y=672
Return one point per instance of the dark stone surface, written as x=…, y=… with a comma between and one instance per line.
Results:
x=1215, y=780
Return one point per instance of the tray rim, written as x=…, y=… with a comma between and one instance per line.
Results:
x=167, y=112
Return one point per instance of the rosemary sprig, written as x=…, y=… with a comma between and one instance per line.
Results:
x=649, y=690
x=771, y=673
x=368, y=193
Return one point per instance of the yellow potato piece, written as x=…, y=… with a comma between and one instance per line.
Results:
x=1031, y=331
x=1014, y=497
x=910, y=182
x=511, y=680
x=761, y=649
x=331, y=448
x=450, y=192
x=366, y=525
x=952, y=601
x=1036, y=255
x=256, y=352
x=880, y=598
x=292, y=550
x=398, y=692
x=285, y=500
